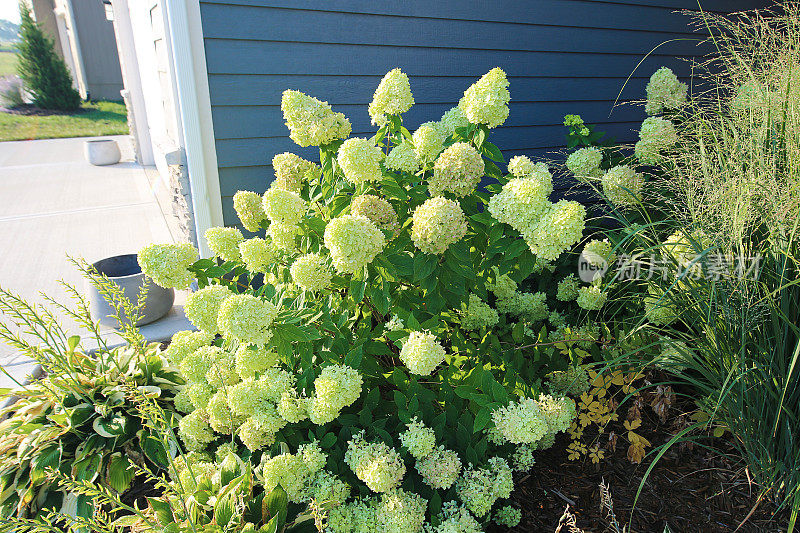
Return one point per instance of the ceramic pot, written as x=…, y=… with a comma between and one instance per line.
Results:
x=101, y=152
x=124, y=270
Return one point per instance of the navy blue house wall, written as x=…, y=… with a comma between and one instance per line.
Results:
x=561, y=56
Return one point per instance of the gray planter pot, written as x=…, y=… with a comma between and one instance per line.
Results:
x=124, y=270
x=101, y=152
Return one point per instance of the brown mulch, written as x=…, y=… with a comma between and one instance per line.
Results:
x=691, y=489
x=29, y=110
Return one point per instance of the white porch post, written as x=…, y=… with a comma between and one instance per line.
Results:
x=185, y=34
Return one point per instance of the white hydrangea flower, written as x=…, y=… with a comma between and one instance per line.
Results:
x=584, y=163
x=310, y=272
x=360, y=160
x=486, y=100
x=622, y=186
x=428, y=141
x=353, y=241
x=312, y=122
x=664, y=92
x=438, y=223
x=380, y=467
x=392, y=97
x=422, y=353
x=458, y=170
x=403, y=157
x=418, y=439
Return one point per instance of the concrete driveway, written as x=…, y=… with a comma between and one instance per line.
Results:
x=54, y=203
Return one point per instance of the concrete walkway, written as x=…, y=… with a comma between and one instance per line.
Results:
x=54, y=203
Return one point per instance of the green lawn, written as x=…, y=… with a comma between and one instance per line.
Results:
x=8, y=63
x=97, y=118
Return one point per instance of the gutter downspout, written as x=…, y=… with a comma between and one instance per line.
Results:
x=194, y=107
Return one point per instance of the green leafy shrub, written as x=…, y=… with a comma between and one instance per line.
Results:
x=43, y=72
x=381, y=351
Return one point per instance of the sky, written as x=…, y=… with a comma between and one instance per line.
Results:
x=9, y=10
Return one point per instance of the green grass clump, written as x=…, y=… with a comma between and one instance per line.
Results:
x=8, y=62
x=92, y=119
x=733, y=185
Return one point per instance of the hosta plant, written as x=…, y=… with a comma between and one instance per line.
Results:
x=377, y=343
x=82, y=418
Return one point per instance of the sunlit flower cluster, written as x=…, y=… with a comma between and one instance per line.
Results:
x=258, y=254
x=167, y=264
x=403, y=157
x=478, y=314
x=392, y=97
x=599, y=253
x=202, y=307
x=293, y=472
x=283, y=236
x=458, y=170
x=224, y=242
x=310, y=272
x=558, y=413
x=486, y=100
x=438, y=223
x=377, y=209
x=664, y=92
x=440, y=468
x=428, y=141
x=380, y=467
x=353, y=241
x=622, y=185
x=247, y=318
x=283, y=206
x=549, y=229
x=480, y=488
x=418, y=439
x=422, y=353
x=195, y=431
x=452, y=119
x=520, y=422
x=251, y=360
x=585, y=162
x=185, y=342
x=560, y=227
x=249, y=209
x=656, y=135
x=312, y=122
x=335, y=388
x=521, y=202
x=360, y=160
x=394, y=511
x=291, y=171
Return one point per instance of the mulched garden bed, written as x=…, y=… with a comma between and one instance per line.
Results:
x=690, y=490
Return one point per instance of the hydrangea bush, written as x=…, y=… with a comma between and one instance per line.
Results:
x=379, y=348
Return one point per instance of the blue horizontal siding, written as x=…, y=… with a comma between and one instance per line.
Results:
x=561, y=56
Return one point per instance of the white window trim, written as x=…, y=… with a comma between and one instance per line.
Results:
x=185, y=35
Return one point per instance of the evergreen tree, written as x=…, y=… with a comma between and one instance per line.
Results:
x=43, y=72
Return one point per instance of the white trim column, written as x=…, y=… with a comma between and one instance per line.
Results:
x=129, y=64
x=185, y=34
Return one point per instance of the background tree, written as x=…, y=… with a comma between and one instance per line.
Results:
x=43, y=72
